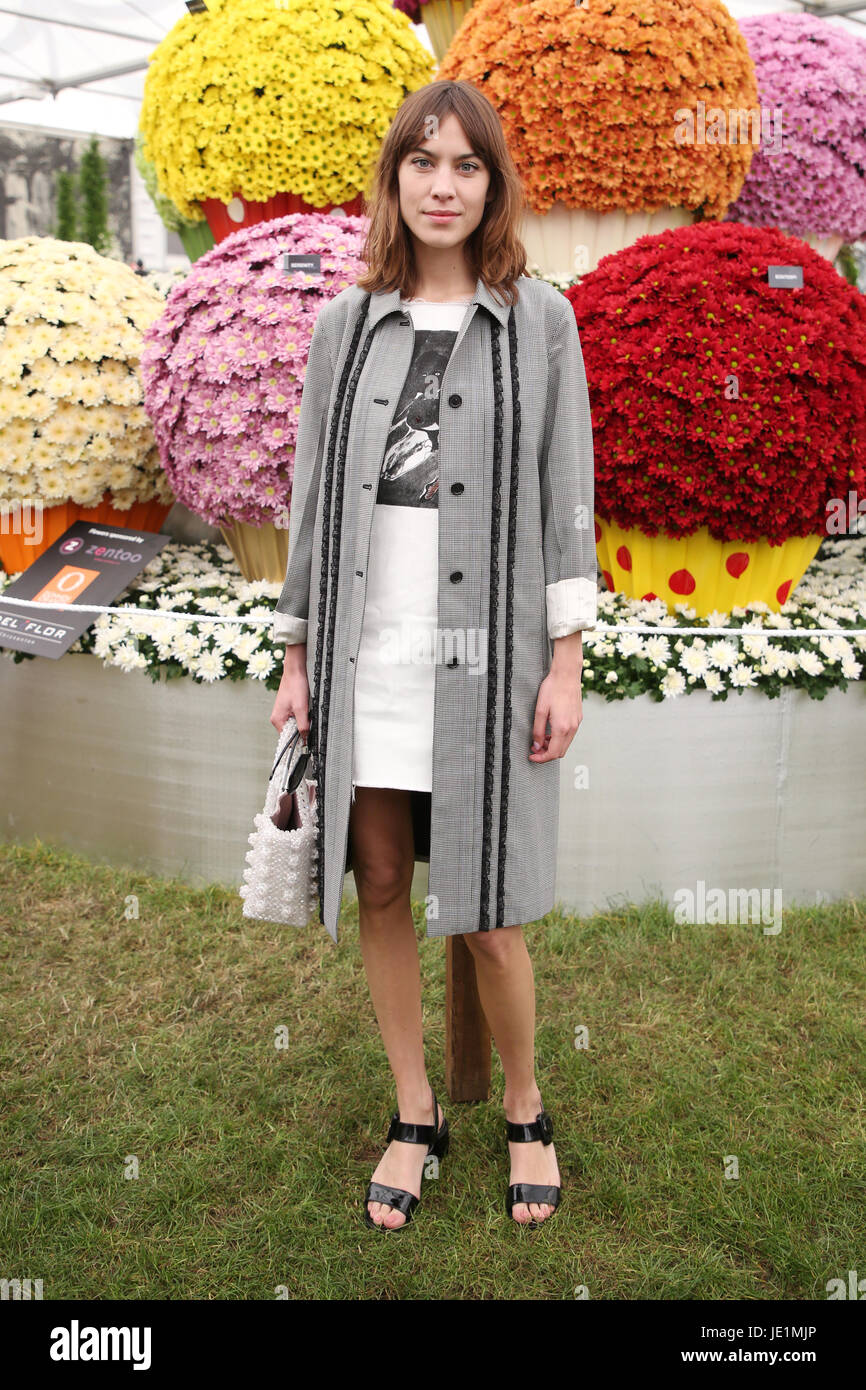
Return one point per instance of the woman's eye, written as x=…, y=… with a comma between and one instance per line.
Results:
x=419, y=159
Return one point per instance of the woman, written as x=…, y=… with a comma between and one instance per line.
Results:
x=441, y=551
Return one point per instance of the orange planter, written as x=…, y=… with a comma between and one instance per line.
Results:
x=225, y=218
x=17, y=552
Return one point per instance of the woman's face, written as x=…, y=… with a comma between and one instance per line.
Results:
x=443, y=175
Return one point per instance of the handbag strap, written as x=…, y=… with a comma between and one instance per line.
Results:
x=289, y=743
x=305, y=759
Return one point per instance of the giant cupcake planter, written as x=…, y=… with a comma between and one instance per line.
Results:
x=253, y=110
x=591, y=100
x=724, y=426
x=74, y=437
x=223, y=369
x=441, y=19
x=810, y=178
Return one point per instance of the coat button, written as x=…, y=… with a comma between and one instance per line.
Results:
x=455, y=400
x=456, y=487
x=360, y=572
x=456, y=576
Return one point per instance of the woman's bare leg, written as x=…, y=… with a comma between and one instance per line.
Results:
x=380, y=824
x=506, y=988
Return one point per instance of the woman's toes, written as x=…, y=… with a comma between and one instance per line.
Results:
x=520, y=1212
x=393, y=1218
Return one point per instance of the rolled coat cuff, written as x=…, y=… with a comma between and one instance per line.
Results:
x=572, y=605
x=288, y=629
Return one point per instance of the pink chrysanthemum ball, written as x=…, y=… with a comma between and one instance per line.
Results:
x=808, y=176
x=223, y=367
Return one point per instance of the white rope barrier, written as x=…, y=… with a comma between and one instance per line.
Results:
x=664, y=630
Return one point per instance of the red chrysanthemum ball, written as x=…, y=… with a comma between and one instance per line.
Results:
x=717, y=399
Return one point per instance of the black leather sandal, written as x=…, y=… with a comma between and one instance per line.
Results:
x=540, y=1128
x=437, y=1142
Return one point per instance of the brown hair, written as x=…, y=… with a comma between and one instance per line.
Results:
x=494, y=252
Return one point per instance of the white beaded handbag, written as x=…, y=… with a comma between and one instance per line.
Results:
x=280, y=880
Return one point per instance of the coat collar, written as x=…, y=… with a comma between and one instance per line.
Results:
x=384, y=302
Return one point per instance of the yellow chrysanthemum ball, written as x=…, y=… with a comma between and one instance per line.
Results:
x=277, y=96
x=72, y=422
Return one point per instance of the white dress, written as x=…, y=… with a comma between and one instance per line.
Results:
x=394, y=680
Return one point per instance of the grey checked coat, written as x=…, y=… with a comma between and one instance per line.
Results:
x=494, y=823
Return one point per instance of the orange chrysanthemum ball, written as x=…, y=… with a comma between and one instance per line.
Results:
x=601, y=103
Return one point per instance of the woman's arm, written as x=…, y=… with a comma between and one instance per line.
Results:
x=568, y=537
x=293, y=605
x=567, y=478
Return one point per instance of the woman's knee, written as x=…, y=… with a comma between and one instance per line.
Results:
x=497, y=945
x=382, y=886
x=381, y=841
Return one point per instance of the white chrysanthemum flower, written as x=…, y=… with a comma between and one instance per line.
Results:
x=713, y=682
x=755, y=646
x=91, y=393
x=222, y=635
x=245, y=643
x=53, y=484
x=260, y=665
x=657, y=649
x=186, y=644
x=100, y=448
x=811, y=663
x=741, y=676
x=673, y=684
x=42, y=454
x=127, y=658
x=630, y=644
x=209, y=667
x=694, y=660
x=611, y=677
x=723, y=654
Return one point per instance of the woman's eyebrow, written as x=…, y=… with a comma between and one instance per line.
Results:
x=419, y=149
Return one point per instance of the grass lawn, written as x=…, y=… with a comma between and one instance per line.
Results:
x=140, y=1021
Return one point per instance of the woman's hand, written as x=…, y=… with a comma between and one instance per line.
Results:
x=293, y=696
x=559, y=700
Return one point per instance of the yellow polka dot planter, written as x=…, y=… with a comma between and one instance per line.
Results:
x=706, y=573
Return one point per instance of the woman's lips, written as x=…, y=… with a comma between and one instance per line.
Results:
x=441, y=216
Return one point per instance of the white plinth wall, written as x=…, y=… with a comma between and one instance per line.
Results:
x=746, y=793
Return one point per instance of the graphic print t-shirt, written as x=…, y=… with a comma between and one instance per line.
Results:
x=395, y=671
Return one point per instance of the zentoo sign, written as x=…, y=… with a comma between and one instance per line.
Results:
x=89, y=564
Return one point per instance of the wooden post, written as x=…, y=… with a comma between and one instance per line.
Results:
x=467, y=1035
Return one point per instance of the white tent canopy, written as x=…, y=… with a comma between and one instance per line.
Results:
x=83, y=67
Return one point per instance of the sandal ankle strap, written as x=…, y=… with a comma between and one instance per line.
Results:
x=409, y=1133
x=539, y=1128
